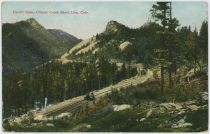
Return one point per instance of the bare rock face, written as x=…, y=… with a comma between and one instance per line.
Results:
x=124, y=45
x=114, y=26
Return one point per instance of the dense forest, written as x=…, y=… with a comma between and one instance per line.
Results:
x=161, y=43
x=59, y=82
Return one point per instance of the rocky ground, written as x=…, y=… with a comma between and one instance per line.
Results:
x=146, y=116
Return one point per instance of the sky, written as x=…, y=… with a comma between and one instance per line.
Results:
x=131, y=14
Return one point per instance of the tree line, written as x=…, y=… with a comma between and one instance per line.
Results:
x=59, y=82
x=177, y=47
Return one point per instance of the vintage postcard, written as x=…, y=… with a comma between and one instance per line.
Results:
x=104, y=66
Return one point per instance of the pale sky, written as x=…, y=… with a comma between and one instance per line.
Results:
x=131, y=14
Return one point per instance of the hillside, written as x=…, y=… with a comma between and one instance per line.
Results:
x=130, y=105
x=26, y=44
x=117, y=42
x=64, y=37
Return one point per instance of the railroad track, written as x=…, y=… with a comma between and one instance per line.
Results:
x=67, y=108
x=78, y=102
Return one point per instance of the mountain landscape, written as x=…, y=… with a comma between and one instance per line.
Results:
x=148, y=79
x=118, y=43
x=27, y=43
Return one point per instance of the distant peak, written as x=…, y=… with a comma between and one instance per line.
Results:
x=34, y=23
x=113, y=22
x=31, y=20
x=114, y=26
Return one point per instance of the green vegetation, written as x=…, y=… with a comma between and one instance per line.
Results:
x=142, y=99
x=26, y=44
x=58, y=82
x=178, y=58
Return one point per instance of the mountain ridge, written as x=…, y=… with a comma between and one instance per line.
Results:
x=117, y=41
x=27, y=43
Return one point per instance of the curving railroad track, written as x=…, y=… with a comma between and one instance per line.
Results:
x=76, y=103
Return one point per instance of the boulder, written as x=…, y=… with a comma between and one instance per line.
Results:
x=142, y=119
x=149, y=113
x=204, y=97
x=171, y=106
x=167, y=106
x=160, y=110
x=124, y=45
x=193, y=107
x=50, y=125
x=176, y=106
x=120, y=107
x=40, y=117
x=81, y=127
x=190, y=73
x=190, y=102
x=181, y=123
x=182, y=120
x=14, y=120
x=66, y=115
x=181, y=111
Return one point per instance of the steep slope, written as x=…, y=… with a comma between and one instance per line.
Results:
x=96, y=43
x=64, y=37
x=117, y=42
x=26, y=44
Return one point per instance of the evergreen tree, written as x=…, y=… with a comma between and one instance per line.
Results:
x=203, y=41
x=160, y=12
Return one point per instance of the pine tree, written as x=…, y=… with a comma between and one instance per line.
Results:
x=203, y=41
x=172, y=42
x=168, y=42
x=160, y=12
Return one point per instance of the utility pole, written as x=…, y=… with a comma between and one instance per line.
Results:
x=45, y=103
